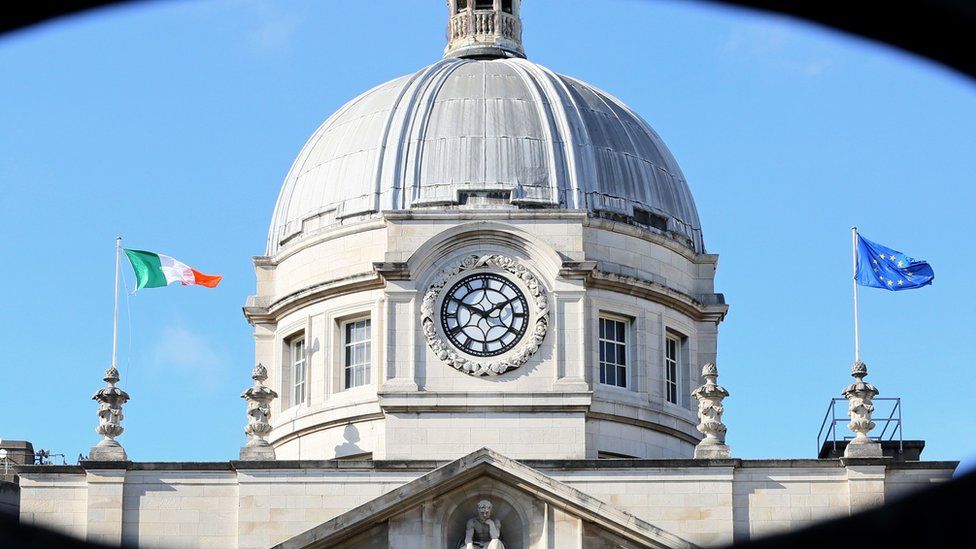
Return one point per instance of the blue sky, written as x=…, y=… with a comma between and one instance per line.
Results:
x=173, y=124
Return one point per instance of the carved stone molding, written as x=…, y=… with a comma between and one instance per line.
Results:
x=860, y=407
x=258, y=426
x=110, y=400
x=710, y=410
x=517, y=356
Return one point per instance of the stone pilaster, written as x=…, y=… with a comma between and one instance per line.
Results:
x=258, y=426
x=110, y=400
x=860, y=408
x=710, y=409
x=866, y=486
x=105, y=506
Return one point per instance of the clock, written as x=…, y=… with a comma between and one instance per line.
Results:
x=484, y=315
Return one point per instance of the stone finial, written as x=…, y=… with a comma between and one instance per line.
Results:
x=860, y=408
x=110, y=400
x=482, y=29
x=258, y=426
x=710, y=409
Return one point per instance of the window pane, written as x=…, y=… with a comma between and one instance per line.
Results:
x=613, y=352
x=297, y=353
x=356, y=353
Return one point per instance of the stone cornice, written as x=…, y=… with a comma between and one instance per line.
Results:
x=427, y=465
x=481, y=215
x=644, y=234
x=446, y=402
x=645, y=289
x=585, y=270
x=317, y=292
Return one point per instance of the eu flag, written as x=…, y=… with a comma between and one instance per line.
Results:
x=882, y=267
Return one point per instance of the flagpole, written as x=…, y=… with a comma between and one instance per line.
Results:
x=115, y=315
x=857, y=339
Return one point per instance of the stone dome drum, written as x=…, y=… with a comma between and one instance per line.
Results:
x=484, y=133
x=484, y=235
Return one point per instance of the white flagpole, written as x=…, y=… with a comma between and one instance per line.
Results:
x=115, y=316
x=857, y=339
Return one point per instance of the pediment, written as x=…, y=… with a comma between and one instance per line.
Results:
x=535, y=512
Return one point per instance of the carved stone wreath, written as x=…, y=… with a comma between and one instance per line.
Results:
x=518, y=356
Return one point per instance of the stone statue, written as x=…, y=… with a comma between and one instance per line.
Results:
x=258, y=425
x=860, y=407
x=482, y=531
x=110, y=400
x=710, y=409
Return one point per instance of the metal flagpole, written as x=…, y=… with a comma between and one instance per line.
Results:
x=857, y=339
x=115, y=316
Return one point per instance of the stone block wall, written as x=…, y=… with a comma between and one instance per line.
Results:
x=413, y=248
x=256, y=505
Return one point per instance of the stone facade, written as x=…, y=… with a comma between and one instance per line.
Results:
x=415, y=398
x=251, y=504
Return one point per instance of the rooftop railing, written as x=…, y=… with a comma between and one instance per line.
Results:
x=892, y=425
x=485, y=23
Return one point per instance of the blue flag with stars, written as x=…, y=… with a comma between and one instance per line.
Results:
x=882, y=267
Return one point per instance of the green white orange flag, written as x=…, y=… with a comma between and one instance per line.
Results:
x=157, y=270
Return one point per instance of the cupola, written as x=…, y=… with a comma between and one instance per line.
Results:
x=484, y=29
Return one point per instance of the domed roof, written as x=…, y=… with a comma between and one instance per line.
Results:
x=505, y=130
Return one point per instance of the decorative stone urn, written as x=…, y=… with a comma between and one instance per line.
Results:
x=860, y=408
x=110, y=400
x=710, y=409
x=258, y=426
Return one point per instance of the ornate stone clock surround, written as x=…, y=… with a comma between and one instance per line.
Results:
x=539, y=308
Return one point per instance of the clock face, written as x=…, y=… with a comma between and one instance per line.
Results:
x=484, y=315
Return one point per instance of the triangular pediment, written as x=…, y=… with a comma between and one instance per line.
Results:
x=483, y=466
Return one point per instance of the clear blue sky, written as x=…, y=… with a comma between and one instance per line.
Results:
x=173, y=124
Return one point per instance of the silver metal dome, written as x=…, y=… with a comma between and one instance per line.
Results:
x=507, y=131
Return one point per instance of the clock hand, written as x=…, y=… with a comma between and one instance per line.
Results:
x=497, y=307
x=474, y=310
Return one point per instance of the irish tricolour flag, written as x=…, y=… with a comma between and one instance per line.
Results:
x=156, y=270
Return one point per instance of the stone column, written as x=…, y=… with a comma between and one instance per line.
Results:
x=258, y=400
x=710, y=409
x=110, y=400
x=860, y=407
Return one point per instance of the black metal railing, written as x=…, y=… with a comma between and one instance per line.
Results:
x=892, y=423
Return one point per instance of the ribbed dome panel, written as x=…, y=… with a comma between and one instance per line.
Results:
x=464, y=125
